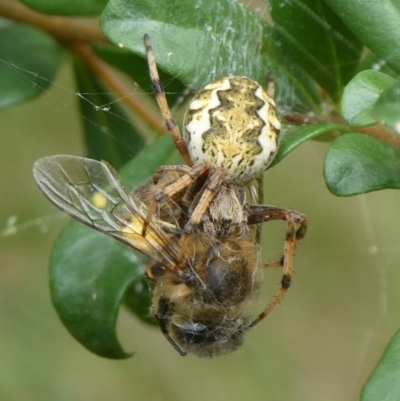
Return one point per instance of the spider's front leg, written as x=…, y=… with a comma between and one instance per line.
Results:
x=261, y=214
x=201, y=207
x=188, y=176
x=163, y=104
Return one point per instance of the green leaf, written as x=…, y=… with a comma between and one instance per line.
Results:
x=296, y=90
x=360, y=96
x=316, y=39
x=29, y=59
x=196, y=42
x=356, y=164
x=387, y=107
x=201, y=42
x=90, y=273
x=384, y=383
x=109, y=134
x=138, y=299
x=136, y=67
x=375, y=23
x=67, y=7
x=299, y=135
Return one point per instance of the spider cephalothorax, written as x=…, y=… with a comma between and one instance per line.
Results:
x=231, y=135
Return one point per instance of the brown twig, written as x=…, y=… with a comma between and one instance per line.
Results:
x=381, y=132
x=65, y=29
x=377, y=131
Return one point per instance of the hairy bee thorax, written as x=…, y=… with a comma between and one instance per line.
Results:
x=233, y=123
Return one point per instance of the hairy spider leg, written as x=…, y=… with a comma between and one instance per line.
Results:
x=215, y=180
x=260, y=214
x=190, y=175
x=163, y=104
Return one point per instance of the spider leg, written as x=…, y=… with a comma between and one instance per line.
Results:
x=162, y=172
x=282, y=214
x=271, y=87
x=260, y=214
x=163, y=104
x=190, y=174
x=212, y=185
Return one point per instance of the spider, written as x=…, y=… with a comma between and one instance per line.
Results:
x=230, y=136
x=192, y=221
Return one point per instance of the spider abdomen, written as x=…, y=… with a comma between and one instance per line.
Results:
x=233, y=123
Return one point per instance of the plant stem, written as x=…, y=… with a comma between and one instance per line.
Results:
x=65, y=29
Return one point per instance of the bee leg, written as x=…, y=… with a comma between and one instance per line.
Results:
x=259, y=214
x=164, y=305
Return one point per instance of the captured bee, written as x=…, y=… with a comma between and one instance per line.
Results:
x=193, y=221
x=203, y=304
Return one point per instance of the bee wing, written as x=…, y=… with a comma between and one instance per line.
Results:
x=93, y=193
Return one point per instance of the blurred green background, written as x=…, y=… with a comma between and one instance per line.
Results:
x=321, y=343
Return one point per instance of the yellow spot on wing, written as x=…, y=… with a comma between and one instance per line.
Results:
x=99, y=200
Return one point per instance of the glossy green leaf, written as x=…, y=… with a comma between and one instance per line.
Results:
x=29, y=59
x=299, y=135
x=108, y=132
x=197, y=42
x=90, y=273
x=295, y=89
x=375, y=23
x=67, y=7
x=136, y=67
x=384, y=383
x=387, y=107
x=200, y=42
x=360, y=96
x=317, y=39
x=138, y=298
x=356, y=164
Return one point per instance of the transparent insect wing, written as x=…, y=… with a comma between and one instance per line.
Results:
x=93, y=193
